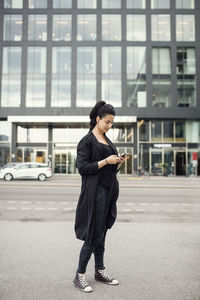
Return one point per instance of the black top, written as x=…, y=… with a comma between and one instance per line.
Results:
x=105, y=173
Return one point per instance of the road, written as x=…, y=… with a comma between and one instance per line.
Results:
x=138, y=201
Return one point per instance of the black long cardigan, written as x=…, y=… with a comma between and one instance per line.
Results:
x=89, y=152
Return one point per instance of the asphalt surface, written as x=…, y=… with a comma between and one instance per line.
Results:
x=153, y=249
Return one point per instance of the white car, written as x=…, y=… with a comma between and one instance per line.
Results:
x=38, y=171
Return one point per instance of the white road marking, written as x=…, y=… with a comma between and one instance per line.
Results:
x=26, y=208
x=126, y=210
x=10, y=207
x=52, y=208
x=39, y=208
x=67, y=208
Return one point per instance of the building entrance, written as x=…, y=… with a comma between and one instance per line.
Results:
x=180, y=163
x=64, y=161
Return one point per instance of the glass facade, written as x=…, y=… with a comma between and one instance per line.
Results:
x=58, y=57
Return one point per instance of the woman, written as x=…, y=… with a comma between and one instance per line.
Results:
x=97, y=162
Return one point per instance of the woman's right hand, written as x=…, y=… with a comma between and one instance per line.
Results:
x=113, y=159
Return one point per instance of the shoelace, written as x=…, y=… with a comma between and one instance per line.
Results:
x=104, y=274
x=82, y=280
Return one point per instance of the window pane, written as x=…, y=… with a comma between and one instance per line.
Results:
x=186, y=62
x=36, y=91
x=37, y=27
x=136, y=60
x=185, y=4
x=160, y=28
x=160, y=4
x=13, y=3
x=185, y=28
x=135, y=3
x=86, y=61
x=61, y=60
x=86, y=92
x=12, y=28
x=61, y=28
x=60, y=93
x=168, y=131
x=136, y=28
x=192, y=131
x=86, y=30
x=86, y=4
x=180, y=131
x=36, y=60
x=143, y=131
x=111, y=60
x=156, y=132
x=161, y=91
x=11, y=60
x=111, y=3
x=186, y=89
x=161, y=61
x=10, y=92
x=62, y=3
x=111, y=91
x=111, y=27
x=136, y=76
x=37, y=4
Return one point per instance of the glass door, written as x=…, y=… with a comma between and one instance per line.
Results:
x=65, y=161
x=60, y=163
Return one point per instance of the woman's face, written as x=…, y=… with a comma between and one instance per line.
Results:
x=105, y=123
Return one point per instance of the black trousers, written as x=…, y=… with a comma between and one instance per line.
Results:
x=98, y=245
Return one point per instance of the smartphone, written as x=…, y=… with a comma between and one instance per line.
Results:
x=123, y=154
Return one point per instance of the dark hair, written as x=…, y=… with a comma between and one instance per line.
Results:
x=100, y=109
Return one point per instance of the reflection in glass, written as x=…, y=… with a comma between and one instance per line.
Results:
x=156, y=159
x=111, y=60
x=136, y=28
x=86, y=4
x=111, y=27
x=161, y=83
x=11, y=77
x=111, y=3
x=185, y=4
x=86, y=60
x=11, y=60
x=180, y=131
x=36, y=60
x=186, y=61
x=32, y=135
x=60, y=92
x=186, y=79
x=86, y=30
x=143, y=131
x=37, y=4
x=160, y=4
x=4, y=154
x=12, y=28
x=36, y=71
x=13, y=3
x=119, y=134
x=192, y=131
x=5, y=131
x=185, y=28
x=156, y=132
x=86, y=93
x=29, y=155
x=160, y=28
x=19, y=155
x=37, y=27
x=161, y=61
x=62, y=3
x=169, y=163
x=111, y=91
x=61, y=60
x=135, y=3
x=136, y=76
x=61, y=28
x=168, y=127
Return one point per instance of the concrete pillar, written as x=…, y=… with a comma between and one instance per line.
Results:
x=13, y=143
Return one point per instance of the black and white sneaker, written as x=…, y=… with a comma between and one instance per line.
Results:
x=101, y=275
x=81, y=283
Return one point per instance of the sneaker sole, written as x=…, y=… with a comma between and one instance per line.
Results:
x=81, y=289
x=110, y=283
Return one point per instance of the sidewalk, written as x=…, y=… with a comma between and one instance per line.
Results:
x=152, y=261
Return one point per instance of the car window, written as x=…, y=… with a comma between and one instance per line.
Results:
x=23, y=167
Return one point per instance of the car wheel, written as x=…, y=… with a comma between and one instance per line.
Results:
x=8, y=177
x=42, y=177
